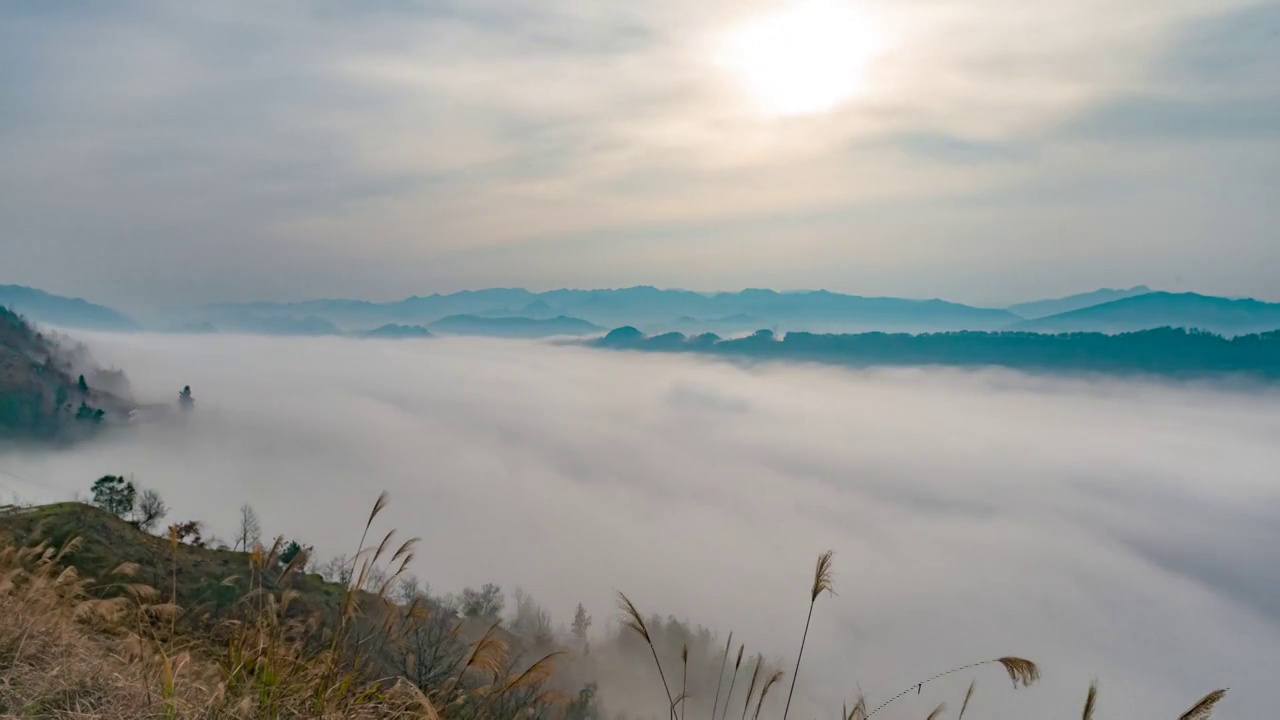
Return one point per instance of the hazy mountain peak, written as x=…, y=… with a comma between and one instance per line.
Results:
x=45, y=307
x=1055, y=306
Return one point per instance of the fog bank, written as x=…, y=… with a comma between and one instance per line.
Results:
x=1119, y=530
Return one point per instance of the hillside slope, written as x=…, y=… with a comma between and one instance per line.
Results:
x=63, y=311
x=38, y=396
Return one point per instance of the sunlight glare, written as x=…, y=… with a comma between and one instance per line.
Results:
x=805, y=58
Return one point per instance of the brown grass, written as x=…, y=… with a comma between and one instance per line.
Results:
x=1203, y=709
x=1021, y=671
x=631, y=618
x=736, y=665
x=724, y=661
x=1090, y=701
x=72, y=648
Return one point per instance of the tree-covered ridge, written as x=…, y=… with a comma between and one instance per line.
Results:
x=41, y=396
x=1163, y=351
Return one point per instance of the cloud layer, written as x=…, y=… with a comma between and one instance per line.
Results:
x=1000, y=150
x=1124, y=531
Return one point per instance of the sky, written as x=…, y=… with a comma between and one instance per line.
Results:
x=988, y=152
x=1105, y=529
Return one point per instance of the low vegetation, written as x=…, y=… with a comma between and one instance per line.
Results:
x=100, y=619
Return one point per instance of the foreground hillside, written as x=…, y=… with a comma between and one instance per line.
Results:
x=102, y=620
x=99, y=619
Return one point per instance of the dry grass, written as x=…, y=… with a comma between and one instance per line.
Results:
x=724, y=661
x=1021, y=671
x=1203, y=709
x=736, y=665
x=72, y=648
x=1090, y=701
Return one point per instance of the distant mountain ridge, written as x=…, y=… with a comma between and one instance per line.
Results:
x=1224, y=316
x=513, y=326
x=1162, y=351
x=396, y=331
x=1056, y=306
x=517, y=312
x=44, y=307
x=651, y=308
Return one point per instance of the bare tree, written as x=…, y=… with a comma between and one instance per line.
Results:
x=337, y=570
x=374, y=578
x=187, y=532
x=408, y=589
x=531, y=621
x=425, y=645
x=485, y=603
x=151, y=509
x=249, y=532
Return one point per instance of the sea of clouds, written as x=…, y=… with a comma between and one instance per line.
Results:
x=1120, y=530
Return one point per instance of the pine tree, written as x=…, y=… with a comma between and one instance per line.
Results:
x=114, y=494
x=581, y=622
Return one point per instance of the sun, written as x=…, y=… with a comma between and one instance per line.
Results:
x=808, y=57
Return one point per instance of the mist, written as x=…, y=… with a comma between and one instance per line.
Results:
x=1120, y=530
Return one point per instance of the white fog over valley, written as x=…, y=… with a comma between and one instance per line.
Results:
x=1119, y=530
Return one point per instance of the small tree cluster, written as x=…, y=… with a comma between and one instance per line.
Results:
x=532, y=621
x=187, y=532
x=485, y=603
x=292, y=549
x=120, y=497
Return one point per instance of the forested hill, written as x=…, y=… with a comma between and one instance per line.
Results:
x=40, y=397
x=1164, y=351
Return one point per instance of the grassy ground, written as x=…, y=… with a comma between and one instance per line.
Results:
x=101, y=620
x=207, y=579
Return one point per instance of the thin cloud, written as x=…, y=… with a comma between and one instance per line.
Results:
x=234, y=151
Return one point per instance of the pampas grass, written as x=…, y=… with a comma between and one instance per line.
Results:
x=1203, y=709
x=70, y=654
x=1020, y=670
x=736, y=664
x=769, y=682
x=73, y=648
x=684, y=680
x=1090, y=701
x=967, y=697
x=631, y=618
x=821, y=583
x=720, y=678
x=751, y=688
